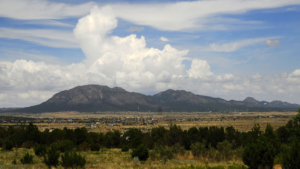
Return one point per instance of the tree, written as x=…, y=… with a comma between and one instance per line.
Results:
x=52, y=155
x=8, y=145
x=40, y=149
x=66, y=145
x=125, y=148
x=95, y=147
x=259, y=153
x=292, y=155
x=141, y=152
x=225, y=149
x=72, y=160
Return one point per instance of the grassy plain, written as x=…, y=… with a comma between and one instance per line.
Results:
x=242, y=121
x=115, y=159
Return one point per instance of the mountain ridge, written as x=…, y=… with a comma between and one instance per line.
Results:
x=94, y=98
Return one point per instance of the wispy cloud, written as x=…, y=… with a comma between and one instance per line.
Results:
x=138, y=29
x=41, y=9
x=49, y=23
x=191, y=15
x=164, y=39
x=44, y=37
x=233, y=46
x=272, y=42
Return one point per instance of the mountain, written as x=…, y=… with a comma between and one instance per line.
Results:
x=273, y=104
x=93, y=98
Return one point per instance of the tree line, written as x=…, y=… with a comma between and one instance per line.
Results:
x=257, y=148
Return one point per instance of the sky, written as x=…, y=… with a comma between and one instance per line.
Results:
x=230, y=49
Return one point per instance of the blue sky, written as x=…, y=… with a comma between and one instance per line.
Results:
x=221, y=48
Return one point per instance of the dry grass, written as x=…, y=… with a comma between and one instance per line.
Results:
x=111, y=159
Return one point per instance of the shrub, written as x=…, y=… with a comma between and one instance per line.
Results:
x=27, y=159
x=153, y=155
x=141, y=152
x=177, y=149
x=66, y=145
x=85, y=146
x=211, y=152
x=291, y=156
x=72, y=160
x=165, y=153
x=40, y=149
x=95, y=147
x=259, y=153
x=14, y=162
x=8, y=145
x=28, y=144
x=199, y=149
x=136, y=161
x=225, y=149
x=125, y=148
x=52, y=155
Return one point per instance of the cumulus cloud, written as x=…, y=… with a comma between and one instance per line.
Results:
x=164, y=39
x=133, y=29
x=272, y=43
x=128, y=62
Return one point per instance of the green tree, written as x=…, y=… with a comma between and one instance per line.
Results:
x=52, y=155
x=292, y=155
x=66, y=145
x=40, y=149
x=259, y=153
x=72, y=160
x=141, y=152
x=8, y=145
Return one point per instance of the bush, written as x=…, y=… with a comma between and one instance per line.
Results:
x=259, y=153
x=85, y=146
x=225, y=149
x=141, y=152
x=153, y=155
x=95, y=147
x=125, y=148
x=291, y=156
x=177, y=149
x=40, y=149
x=52, y=155
x=165, y=153
x=66, y=145
x=72, y=160
x=8, y=145
x=28, y=144
x=199, y=149
x=27, y=159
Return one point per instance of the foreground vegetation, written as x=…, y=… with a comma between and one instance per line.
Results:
x=213, y=147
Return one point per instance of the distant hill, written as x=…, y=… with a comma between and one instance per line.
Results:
x=93, y=98
x=273, y=104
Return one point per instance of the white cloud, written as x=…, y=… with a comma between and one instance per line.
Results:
x=233, y=46
x=45, y=37
x=191, y=15
x=127, y=62
x=164, y=39
x=138, y=29
x=272, y=43
x=199, y=15
x=41, y=9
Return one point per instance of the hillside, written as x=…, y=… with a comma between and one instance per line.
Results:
x=93, y=98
